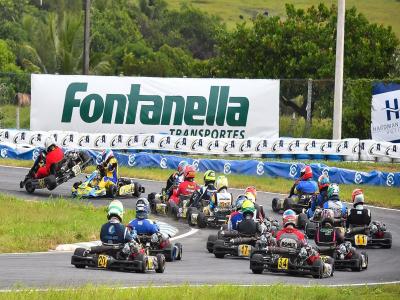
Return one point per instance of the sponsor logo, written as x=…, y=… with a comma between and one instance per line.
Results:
x=35, y=138
x=195, y=164
x=35, y=154
x=262, y=145
x=132, y=140
x=392, y=110
x=260, y=168
x=374, y=148
x=3, y=153
x=4, y=135
x=116, y=140
x=293, y=145
x=220, y=109
x=342, y=145
x=293, y=170
x=358, y=178
x=20, y=136
x=148, y=140
x=164, y=141
x=213, y=145
x=227, y=168
x=163, y=163
x=277, y=144
x=390, y=179
x=180, y=143
x=391, y=150
x=356, y=148
x=84, y=140
x=100, y=141
x=132, y=160
x=309, y=145
x=245, y=146
x=67, y=140
x=196, y=144
x=229, y=145
x=325, y=146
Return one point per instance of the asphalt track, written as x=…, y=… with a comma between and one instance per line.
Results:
x=53, y=269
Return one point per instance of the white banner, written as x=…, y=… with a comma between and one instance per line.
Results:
x=385, y=112
x=211, y=108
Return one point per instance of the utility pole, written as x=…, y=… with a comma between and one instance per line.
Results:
x=86, y=39
x=338, y=98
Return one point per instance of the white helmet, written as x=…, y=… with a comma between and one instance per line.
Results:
x=50, y=141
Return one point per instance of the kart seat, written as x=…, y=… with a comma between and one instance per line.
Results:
x=111, y=248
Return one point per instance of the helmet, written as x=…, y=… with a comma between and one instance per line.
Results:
x=306, y=173
x=250, y=196
x=209, y=176
x=239, y=201
x=251, y=189
x=247, y=207
x=50, y=141
x=327, y=216
x=357, y=197
x=289, y=218
x=106, y=155
x=115, y=208
x=189, y=172
x=323, y=181
x=222, y=182
x=333, y=190
x=142, y=208
x=181, y=167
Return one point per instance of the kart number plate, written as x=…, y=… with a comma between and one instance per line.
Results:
x=283, y=263
x=127, y=189
x=161, y=208
x=150, y=263
x=41, y=183
x=360, y=239
x=102, y=261
x=224, y=203
x=76, y=170
x=244, y=250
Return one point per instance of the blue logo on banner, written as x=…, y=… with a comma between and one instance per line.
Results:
x=132, y=160
x=3, y=153
x=227, y=168
x=395, y=110
x=163, y=163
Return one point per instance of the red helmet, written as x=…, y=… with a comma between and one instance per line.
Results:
x=306, y=173
x=323, y=181
x=190, y=172
x=252, y=190
x=357, y=197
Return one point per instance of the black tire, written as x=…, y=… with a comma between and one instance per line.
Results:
x=387, y=235
x=319, y=265
x=77, y=184
x=160, y=263
x=210, y=243
x=218, y=243
x=302, y=220
x=189, y=213
x=201, y=220
x=80, y=252
x=287, y=203
x=169, y=253
x=51, y=182
x=29, y=187
x=138, y=188
x=180, y=251
x=112, y=191
x=143, y=258
x=358, y=265
x=256, y=263
x=275, y=207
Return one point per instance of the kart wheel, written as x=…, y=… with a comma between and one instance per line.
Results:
x=51, y=182
x=210, y=243
x=318, y=267
x=358, y=265
x=275, y=206
x=77, y=184
x=179, y=251
x=189, y=213
x=152, y=200
x=218, y=244
x=169, y=253
x=143, y=258
x=302, y=220
x=160, y=263
x=256, y=264
x=138, y=189
x=201, y=220
x=29, y=187
x=387, y=236
x=287, y=203
x=112, y=191
x=80, y=252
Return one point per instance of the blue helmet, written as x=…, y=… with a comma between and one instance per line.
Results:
x=239, y=201
x=142, y=208
x=106, y=155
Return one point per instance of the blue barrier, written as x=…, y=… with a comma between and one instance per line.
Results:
x=243, y=167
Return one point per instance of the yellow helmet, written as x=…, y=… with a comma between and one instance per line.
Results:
x=247, y=207
x=250, y=196
x=222, y=182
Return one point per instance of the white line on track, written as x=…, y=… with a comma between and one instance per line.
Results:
x=235, y=189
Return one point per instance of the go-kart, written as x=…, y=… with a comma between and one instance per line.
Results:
x=312, y=224
x=112, y=257
x=73, y=163
x=159, y=201
x=233, y=243
x=372, y=236
x=211, y=217
x=298, y=203
x=90, y=187
x=345, y=256
x=287, y=260
x=180, y=210
x=157, y=243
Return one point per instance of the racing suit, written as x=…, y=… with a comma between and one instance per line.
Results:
x=173, y=180
x=113, y=232
x=185, y=188
x=339, y=209
x=248, y=226
x=109, y=173
x=143, y=226
x=327, y=234
x=234, y=218
x=304, y=187
x=358, y=216
x=319, y=201
x=52, y=157
x=204, y=193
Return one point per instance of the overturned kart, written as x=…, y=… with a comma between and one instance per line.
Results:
x=290, y=261
x=157, y=243
x=73, y=163
x=112, y=257
x=372, y=236
x=90, y=188
x=298, y=203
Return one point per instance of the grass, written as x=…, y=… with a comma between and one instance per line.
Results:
x=8, y=116
x=42, y=225
x=221, y=292
x=381, y=12
x=375, y=195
